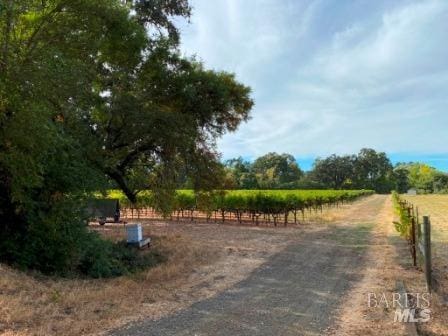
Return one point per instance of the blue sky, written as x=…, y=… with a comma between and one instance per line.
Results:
x=331, y=76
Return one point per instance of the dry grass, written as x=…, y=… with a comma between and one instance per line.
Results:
x=36, y=305
x=388, y=261
x=436, y=206
x=378, y=276
x=203, y=259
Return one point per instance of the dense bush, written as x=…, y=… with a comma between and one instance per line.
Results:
x=104, y=259
x=60, y=243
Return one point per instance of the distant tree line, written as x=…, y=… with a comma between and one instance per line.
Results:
x=368, y=169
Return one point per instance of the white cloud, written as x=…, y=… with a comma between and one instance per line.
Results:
x=331, y=76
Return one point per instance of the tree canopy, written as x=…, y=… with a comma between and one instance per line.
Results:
x=94, y=93
x=335, y=171
x=270, y=171
x=368, y=169
x=275, y=169
x=420, y=176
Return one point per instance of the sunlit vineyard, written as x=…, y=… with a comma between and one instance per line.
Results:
x=274, y=206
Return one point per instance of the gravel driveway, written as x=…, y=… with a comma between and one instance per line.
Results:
x=296, y=292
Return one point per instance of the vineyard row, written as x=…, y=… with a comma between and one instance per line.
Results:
x=255, y=206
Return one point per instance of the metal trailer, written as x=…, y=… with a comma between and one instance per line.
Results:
x=104, y=210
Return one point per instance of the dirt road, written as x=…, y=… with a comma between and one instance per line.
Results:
x=296, y=292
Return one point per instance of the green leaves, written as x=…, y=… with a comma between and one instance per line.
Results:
x=252, y=201
x=162, y=119
x=366, y=170
x=276, y=170
x=403, y=226
x=95, y=92
x=270, y=171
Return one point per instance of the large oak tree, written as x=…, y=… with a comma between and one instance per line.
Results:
x=94, y=92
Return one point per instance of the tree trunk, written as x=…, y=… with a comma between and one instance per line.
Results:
x=119, y=179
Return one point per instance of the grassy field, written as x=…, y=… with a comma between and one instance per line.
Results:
x=436, y=206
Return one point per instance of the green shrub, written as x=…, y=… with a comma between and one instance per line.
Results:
x=60, y=243
x=403, y=226
x=104, y=259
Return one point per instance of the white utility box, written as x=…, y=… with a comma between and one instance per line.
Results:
x=134, y=233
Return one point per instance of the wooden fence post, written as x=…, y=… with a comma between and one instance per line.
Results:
x=413, y=249
x=427, y=251
x=419, y=231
